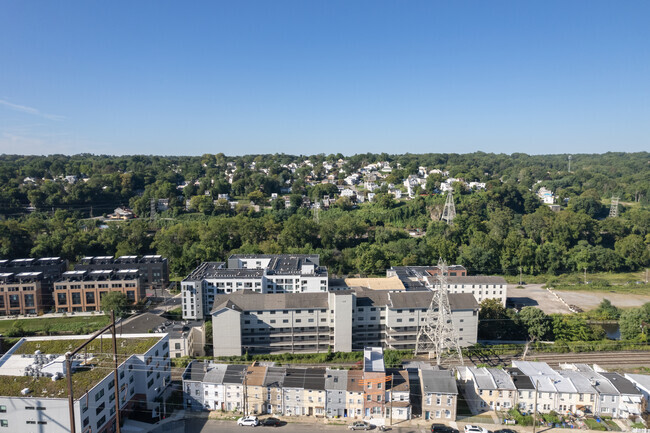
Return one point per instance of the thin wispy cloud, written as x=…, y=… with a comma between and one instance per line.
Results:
x=30, y=110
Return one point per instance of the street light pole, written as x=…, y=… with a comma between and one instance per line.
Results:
x=535, y=406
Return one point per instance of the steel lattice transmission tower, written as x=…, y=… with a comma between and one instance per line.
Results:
x=438, y=336
x=449, y=212
x=152, y=209
x=613, y=208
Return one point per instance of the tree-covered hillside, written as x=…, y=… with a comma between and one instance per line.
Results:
x=497, y=229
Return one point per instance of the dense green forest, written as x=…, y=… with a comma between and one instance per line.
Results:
x=496, y=231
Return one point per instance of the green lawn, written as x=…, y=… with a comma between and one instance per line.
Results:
x=595, y=425
x=57, y=325
x=578, y=277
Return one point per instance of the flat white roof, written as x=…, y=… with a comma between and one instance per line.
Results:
x=29, y=274
x=70, y=273
x=373, y=359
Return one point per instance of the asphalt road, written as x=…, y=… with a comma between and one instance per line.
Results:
x=196, y=425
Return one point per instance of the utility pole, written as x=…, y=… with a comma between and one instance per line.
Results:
x=646, y=276
x=245, y=393
x=390, y=423
x=520, y=275
x=535, y=412
x=68, y=365
x=585, y=275
x=570, y=163
x=117, y=383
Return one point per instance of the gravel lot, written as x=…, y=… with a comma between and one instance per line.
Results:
x=537, y=296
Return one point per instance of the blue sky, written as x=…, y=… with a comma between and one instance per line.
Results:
x=310, y=76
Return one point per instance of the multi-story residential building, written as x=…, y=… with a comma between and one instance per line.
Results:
x=642, y=383
x=525, y=389
x=481, y=287
x=314, y=394
x=50, y=267
x=233, y=382
x=22, y=293
x=153, y=269
x=425, y=277
x=354, y=394
x=374, y=381
x=255, y=390
x=607, y=397
x=33, y=386
x=214, y=395
x=554, y=391
x=630, y=400
x=83, y=290
x=26, y=285
x=293, y=391
x=274, y=383
x=346, y=320
x=194, y=382
x=439, y=394
x=487, y=388
x=260, y=273
x=335, y=387
x=399, y=395
x=587, y=394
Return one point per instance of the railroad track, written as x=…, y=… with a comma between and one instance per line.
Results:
x=610, y=359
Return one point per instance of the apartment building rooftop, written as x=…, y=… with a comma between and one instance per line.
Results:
x=246, y=300
x=35, y=366
x=477, y=279
x=205, y=270
x=389, y=283
x=99, y=274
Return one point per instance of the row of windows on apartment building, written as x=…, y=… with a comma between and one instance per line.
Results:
x=62, y=298
x=18, y=289
x=93, y=286
x=14, y=301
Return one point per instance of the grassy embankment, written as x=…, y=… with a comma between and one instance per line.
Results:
x=55, y=325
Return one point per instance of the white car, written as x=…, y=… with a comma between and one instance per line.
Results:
x=475, y=429
x=249, y=420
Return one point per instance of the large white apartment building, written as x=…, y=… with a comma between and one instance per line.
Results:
x=33, y=386
x=261, y=273
x=482, y=287
x=345, y=320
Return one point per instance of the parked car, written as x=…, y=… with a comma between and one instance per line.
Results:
x=475, y=429
x=359, y=425
x=505, y=430
x=249, y=420
x=274, y=422
x=442, y=428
